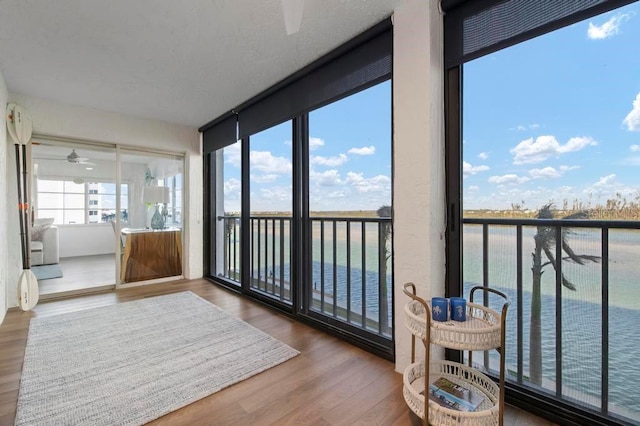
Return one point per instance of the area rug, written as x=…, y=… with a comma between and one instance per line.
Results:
x=46, y=272
x=133, y=362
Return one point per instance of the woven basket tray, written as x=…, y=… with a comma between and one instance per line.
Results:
x=487, y=412
x=480, y=332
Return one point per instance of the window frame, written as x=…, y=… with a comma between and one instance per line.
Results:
x=87, y=208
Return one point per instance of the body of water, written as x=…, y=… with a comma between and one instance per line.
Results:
x=582, y=334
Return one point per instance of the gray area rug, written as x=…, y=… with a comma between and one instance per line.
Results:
x=46, y=272
x=133, y=362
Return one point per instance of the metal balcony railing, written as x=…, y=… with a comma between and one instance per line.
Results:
x=350, y=266
x=587, y=333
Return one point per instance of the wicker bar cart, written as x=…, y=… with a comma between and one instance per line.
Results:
x=483, y=330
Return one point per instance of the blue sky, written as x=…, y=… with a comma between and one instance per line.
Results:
x=350, y=158
x=556, y=118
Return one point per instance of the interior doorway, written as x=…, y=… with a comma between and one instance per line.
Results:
x=73, y=197
x=92, y=207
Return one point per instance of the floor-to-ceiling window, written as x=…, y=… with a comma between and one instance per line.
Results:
x=350, y=209
x=549, y=200
x=225, y=165
x=270, y=200
x=313, y=180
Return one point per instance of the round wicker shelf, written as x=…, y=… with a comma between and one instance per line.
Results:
x=414, y=387
x=480, y=332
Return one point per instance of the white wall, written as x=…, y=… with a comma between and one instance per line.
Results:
x=4, y=204
x=419, y=176
x=94, y=125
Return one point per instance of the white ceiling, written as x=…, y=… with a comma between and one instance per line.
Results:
x=185, y=61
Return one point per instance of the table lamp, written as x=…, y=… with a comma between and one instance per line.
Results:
x=156, y=195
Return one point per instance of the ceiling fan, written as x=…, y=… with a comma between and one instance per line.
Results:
x=74, y=158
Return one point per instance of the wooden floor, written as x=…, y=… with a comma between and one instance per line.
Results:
x=330, y=383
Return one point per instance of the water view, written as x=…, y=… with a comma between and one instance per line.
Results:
x=582, y=334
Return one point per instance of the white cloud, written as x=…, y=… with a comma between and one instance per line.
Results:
x=468, y=169
x=365, y=150
x=508, y=179
x=315, y=143
x=607, y=29
x=232, y=155
x=474, y=188
x=635, y=148
x=374, y=184
x=606, y=180
x=336, y=194
x=546, y=173
x=567, y=168
x=632, y=120
x=522, y=128
x=276, y=193
x=264, y=178
x=329, y=161
x=534, y=151
x=266, y=162
x=326, y=178
x=483, y=156
x=231, y=187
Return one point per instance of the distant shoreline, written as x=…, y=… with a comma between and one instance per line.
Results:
x=596, y=214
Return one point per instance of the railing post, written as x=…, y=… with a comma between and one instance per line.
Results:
x=520, y=322
x=558, y=230
x=605, y=321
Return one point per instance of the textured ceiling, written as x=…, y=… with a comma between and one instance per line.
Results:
x=184, y=62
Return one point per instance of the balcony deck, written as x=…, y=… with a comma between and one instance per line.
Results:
x=330, y=383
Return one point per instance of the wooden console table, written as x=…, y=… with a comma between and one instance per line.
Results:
x=151, y=254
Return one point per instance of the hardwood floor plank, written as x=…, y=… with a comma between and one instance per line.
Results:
x=330, y=383
x=352, y=408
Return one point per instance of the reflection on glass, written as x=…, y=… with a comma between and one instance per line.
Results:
x=350, y=209
x=69, y=190
x=226, y=233
x=151, y=214
x=270, y=181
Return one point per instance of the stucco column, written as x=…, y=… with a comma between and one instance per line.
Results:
x=5, y=241
x=419, y=176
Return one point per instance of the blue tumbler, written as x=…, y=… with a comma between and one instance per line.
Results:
x=458, y=309
x=439, y=309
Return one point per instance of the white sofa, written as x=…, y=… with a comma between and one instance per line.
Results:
x=46, y=252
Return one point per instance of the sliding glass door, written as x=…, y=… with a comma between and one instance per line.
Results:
x=73, y=190
x=270, y=189
x=226, y=211
x=150, y=222
x=350, y=212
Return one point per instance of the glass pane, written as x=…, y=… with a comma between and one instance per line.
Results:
x=50, y=201
x=350, y=208
x=225, y=164
x=151, y=236
x=50, y=185
x=74, y=216
x=534, y=149
x=270, y=180
x=72, y=187
x=73, y=201
x=57, y=215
